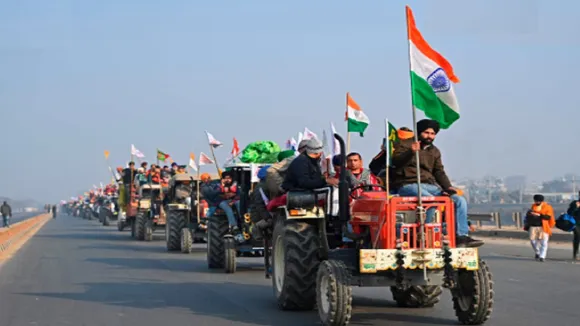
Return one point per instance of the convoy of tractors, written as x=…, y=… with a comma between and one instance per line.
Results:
x=305, y=253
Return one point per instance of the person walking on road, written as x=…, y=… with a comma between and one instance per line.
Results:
x=6, y=212
x=53, y=211
x=539, y=223
x=574, y=210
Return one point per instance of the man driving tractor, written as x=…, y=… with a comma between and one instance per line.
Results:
x=434, y=180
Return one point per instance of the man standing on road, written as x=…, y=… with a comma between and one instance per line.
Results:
x=6, y=212
x=539, y=223
x=574, y=210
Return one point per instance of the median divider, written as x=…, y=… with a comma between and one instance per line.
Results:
x=12, y=238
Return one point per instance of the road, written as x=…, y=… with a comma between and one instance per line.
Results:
x=76, y=272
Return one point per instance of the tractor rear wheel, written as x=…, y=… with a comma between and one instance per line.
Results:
x=175, y=222
x=473, y=297
x=423, y=296
x=216, y=230
x=295, y=260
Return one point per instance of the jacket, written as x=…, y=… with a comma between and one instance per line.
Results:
x=6, y=210
x=303, y=174
x=546, y=219
x=405, y=166
x=275, y=175
x=211, y=192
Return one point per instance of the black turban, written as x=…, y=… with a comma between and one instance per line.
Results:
x=538, y=198
x=426, y=124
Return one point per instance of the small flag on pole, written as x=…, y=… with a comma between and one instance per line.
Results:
x=204, y=159
x=212, y=141
x=106, y=155
x=192, y=163
x=357, y=121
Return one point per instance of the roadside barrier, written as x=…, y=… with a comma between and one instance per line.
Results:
x=19, y=232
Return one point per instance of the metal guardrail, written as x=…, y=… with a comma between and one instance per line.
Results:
x=495, y=217
x=485, y=217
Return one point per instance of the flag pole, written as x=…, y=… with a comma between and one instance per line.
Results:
x=198, y=204
x=416, y=139
x=347, y=132
x=387, y=157
x=215, y=160
x=157, y=156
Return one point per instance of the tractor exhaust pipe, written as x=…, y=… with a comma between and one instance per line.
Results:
x=343, y=211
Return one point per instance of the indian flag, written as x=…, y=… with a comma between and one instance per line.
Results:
x=357, y=121
x=431, y=78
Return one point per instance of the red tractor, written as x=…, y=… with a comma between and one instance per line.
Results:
x=390, y=245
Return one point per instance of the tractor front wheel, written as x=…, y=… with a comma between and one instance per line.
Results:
x=473, y=297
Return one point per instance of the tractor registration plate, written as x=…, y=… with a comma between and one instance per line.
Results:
x=372, y=261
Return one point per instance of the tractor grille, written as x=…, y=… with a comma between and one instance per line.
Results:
x=409, y=235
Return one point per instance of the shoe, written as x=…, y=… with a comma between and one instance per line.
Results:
x=468, y=242
x=541, y=260
x=537, y=256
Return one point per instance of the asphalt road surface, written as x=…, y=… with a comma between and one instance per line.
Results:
x=77, y=272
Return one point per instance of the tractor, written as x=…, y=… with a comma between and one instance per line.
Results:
x=184, y=225
x=150, y=212
x=390, y=246
x=109, y=210
x=222, y=247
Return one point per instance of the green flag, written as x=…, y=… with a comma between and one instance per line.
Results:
x=392, y=138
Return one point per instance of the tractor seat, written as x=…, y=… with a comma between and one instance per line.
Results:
x=300, y=199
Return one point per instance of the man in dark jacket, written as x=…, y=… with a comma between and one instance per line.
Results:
x=434, y=180
x=6, y=212
x=574, y=210
x=304, y=172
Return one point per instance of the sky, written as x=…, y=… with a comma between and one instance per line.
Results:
x=81, y=77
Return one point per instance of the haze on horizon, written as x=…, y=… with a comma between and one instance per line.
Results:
x=81, y=77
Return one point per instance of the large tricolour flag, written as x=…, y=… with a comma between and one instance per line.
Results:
x=431, y=78
x=357, y=121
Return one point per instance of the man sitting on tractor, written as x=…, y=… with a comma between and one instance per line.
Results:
x=434, y=180
x=222, y=195
x=304, y=172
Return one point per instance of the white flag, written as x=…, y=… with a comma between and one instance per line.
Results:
x=254, y=173
x=212, y=141
x=204, y=159
x=308, y=134
x=300, y=137
x=335, y=143
x=136, y=152
x=192, y=163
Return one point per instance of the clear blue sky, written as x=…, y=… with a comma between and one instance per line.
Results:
x=79, y=77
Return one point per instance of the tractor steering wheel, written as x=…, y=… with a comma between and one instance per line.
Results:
x=365, y=186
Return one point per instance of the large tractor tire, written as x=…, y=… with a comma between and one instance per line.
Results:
x=333, y=293
x=422, y=296
x=140, y=221
x=175, y=222
x=217, y=228
x=186, y=241
x=295, y=260
x=473, y=297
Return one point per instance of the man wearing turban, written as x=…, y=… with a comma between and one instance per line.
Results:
x=434, y=180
